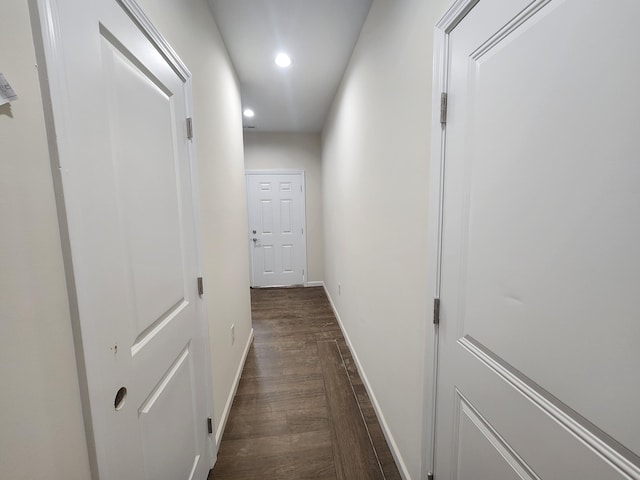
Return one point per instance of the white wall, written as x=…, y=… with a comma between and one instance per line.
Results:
x=189, y=27
x=300, y=151
x=41, y=427
x=376, y=153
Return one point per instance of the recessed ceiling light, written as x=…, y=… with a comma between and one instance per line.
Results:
x=248, y=113
x=283, y=60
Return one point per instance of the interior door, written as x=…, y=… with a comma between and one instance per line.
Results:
x=277, y=241
x=119, y=99
x=539, y=331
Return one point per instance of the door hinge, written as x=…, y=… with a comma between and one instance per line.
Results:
x=429, y=476
x=200, y=286
x=209, y=425
x=443, y=108
x=189, y=128
x=436, y=311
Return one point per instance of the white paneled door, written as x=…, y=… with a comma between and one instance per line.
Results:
x=539, y=358
x=277, y=240
x=120, y=104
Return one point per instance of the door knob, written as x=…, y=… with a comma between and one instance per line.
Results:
x=254, y=239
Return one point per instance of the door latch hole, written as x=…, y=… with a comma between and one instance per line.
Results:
x=120, y=396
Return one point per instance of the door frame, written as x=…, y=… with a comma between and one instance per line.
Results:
x=457, y=10
x=60, y=140
x=247, y=173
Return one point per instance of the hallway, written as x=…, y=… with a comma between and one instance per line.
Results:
x=298, y=414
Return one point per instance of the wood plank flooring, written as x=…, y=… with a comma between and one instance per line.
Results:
x=301, y=410
x=353, y=453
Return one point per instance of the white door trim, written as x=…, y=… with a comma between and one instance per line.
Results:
x=275, y=172
x=304, y=213
x=52, y=76
x=455, y=13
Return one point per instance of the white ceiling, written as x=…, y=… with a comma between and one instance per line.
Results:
x=319, y=35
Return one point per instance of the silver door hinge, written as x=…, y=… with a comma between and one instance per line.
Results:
x=209, y=425
x=436, y=311
x=189, y=128
x=443, y=108
x=200, y=286
x=429, y=476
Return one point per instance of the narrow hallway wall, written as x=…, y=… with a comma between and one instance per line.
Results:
x=295, y=151
x=376, y=154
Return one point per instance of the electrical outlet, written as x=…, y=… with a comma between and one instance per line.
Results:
x=339, y=289
x=233, y=334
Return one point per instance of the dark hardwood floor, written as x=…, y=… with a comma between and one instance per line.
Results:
x=301, y=410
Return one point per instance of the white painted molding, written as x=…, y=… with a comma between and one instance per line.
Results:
x=275, y=171
x=140, y=18
x=315, y=283
x=232, y=393
x=402, y=467
x=597, y=440
x=49, y=56
x=456, y=12
x=515, y=461
x=509, y=28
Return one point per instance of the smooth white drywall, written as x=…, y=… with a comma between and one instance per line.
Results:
x=189, y=27
x=299, y=151
x=376, y=154
x=41, y=427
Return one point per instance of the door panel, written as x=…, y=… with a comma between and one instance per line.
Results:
x=286, y=215
x=287, y=258
x=169, y=409
x=268, y=256
x=143, y=142
x=132, y=264
x=276, y=215
x=540, y=263
x=480, y=452
x=266, y=224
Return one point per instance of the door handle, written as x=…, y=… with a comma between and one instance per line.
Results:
x=254, y=239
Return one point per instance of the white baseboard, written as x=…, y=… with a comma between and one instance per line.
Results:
x=232, y=393
x=376, y=406
x=315, y=283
